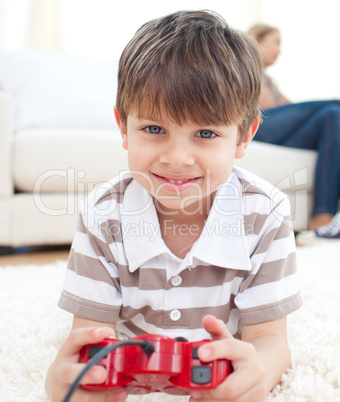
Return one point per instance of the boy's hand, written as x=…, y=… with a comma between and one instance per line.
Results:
x=66, y=368
x=248, y=380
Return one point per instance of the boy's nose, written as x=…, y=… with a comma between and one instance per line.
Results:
x=177, y=154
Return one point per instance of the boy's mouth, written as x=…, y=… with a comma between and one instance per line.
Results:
x=172, y=183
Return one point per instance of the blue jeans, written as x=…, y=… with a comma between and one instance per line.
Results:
x=310, y=125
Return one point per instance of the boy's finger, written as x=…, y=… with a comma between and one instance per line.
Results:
x=83, y=336
x=216, y=328
x=70, y=371
x=96, y=375
x=231, y=349
x=112, y=395
x=233, y=383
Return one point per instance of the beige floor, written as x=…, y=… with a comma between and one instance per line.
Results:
x=39, y=256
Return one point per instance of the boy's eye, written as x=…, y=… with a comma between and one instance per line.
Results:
x=206, y=134
x=154, y=129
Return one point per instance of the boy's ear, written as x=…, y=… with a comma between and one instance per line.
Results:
x=242, y=146
x=122, y=128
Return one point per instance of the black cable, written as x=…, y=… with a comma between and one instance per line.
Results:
x=147, y=347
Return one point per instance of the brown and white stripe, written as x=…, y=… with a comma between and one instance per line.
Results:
x=242, y=268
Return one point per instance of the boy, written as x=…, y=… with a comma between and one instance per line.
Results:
x=184, y=244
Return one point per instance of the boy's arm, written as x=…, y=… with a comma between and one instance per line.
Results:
x=270, y=342
x=79, y=322
x=65, y=368
x=258, y=360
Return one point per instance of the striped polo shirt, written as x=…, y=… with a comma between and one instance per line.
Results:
x=242, y=268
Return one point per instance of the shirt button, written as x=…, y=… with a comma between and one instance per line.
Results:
x=176, y=280
x=175, y=315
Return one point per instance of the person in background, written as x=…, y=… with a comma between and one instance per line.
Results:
x=311, y=125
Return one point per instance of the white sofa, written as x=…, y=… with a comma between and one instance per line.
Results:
x=48, y=162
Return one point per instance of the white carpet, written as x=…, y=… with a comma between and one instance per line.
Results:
x=33, y=328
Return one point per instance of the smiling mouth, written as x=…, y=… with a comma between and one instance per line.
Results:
x=173, y=184
x=177, y=181
x=174, y=181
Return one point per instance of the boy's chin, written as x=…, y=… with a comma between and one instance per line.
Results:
x=173, y=207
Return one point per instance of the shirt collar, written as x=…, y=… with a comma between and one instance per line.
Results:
x=222, y=242
x=140, y=226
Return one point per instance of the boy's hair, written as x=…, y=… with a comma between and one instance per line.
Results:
x=192, y=66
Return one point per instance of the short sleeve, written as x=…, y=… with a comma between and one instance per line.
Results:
x=271, y=289
x=91, y=286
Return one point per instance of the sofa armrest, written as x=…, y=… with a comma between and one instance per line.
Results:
x=6, y=130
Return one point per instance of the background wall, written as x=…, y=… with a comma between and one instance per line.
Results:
x=308, y=67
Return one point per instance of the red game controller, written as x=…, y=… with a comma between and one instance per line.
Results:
x=172, y=366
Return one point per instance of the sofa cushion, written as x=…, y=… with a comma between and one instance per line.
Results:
x=61, y=160
x=290, y=169
x=52, y=89
x=66, y=160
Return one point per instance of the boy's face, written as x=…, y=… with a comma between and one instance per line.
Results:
x=181, y=166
